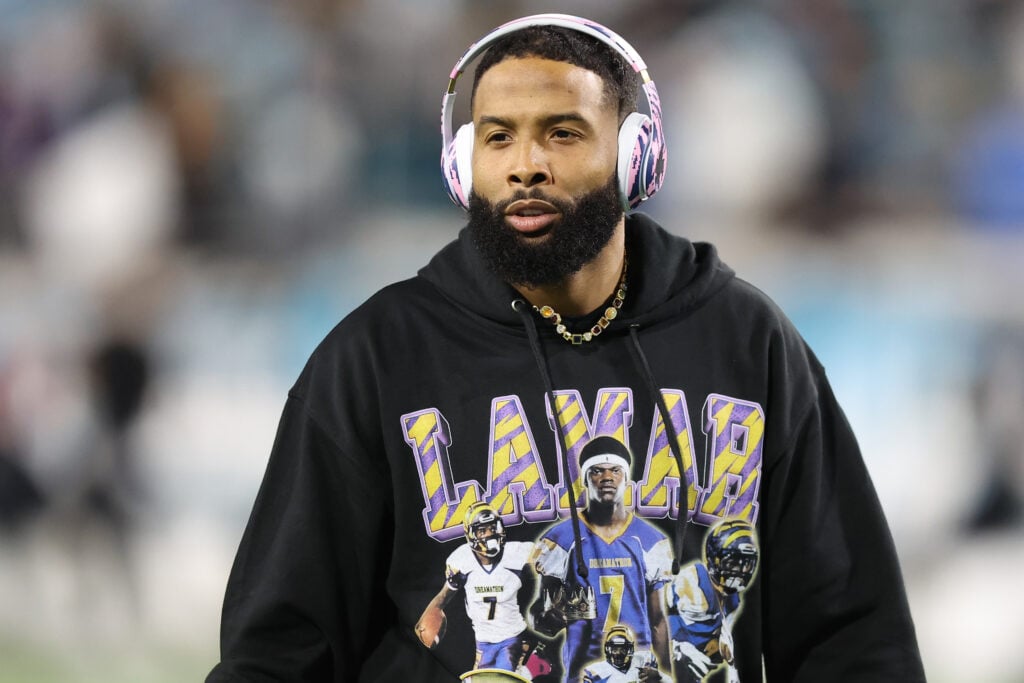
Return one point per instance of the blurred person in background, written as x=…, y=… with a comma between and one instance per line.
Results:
x=999, y=404
x=21, y=498
x=444, y=390
x=119, y=372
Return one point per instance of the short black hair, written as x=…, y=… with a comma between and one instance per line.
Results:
x=621, y=84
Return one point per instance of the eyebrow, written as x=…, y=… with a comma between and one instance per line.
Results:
x=549, y=120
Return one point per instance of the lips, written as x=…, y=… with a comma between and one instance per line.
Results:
x=531, y=217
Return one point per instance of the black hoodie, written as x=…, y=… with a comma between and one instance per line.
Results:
x=437, y=392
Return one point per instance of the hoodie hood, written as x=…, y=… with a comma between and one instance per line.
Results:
x=668, y=276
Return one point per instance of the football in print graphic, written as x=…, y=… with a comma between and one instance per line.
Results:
x=431, y=626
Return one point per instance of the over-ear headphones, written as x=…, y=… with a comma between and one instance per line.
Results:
x=642, y=152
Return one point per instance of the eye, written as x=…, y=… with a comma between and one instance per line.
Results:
x=497, y=138
x=563, y=134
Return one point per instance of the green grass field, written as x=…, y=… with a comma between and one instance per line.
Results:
x=31, y=663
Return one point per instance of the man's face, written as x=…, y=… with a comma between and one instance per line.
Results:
x=619, y=656
x=486, y=531
x=545, y=199
x=607, y=483
x=488, y=539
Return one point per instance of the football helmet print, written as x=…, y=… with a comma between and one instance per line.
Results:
x=484, y=531
x=619, y=645
x=731, y=555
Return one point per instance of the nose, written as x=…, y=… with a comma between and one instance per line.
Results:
x=530, y=167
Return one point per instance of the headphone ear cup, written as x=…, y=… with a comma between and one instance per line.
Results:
x=457, y=166
x=636, y=182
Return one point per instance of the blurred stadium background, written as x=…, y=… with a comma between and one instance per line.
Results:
x=192, y=193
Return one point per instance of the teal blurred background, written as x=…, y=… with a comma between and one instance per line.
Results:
x=192, y=193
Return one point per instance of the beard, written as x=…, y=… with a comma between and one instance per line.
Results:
x=575, y=239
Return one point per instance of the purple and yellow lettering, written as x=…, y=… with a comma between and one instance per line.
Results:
x=613, y=415
x=659, y=489
x=429, y=436
x=518, y=488
x=735, y=439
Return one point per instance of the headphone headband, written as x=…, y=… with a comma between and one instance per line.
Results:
x=640, y=176
x=605, y=35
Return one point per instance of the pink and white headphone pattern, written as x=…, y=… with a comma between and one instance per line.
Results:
x=642, y=151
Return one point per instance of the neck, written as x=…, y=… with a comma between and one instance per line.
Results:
x=588, y=288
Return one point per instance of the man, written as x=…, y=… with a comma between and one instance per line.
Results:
x=487, y=569
x=474, y=381
x=628, y=563
x=705, y=598
x=622, y=663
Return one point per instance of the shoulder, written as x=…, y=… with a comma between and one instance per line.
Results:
x=648, y=534
x=560, y=534
x=550, y=556
x=361, y=348
x=693, y=580
x=380, y=312
x=357, y=335
x=690, y=588
x=461, y=559
x=755, y=309
x=517, y=554
x=688, y=575
x=775, y=350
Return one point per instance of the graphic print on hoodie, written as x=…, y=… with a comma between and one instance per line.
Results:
x=625, y=573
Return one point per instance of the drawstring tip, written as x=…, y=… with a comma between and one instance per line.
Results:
x=675, y=566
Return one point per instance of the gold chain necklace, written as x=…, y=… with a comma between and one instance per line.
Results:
x=610, y=314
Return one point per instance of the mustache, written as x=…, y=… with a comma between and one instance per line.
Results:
x=535, y=193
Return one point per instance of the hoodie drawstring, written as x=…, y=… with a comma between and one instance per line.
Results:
x=670, y=431
x=522, y=308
